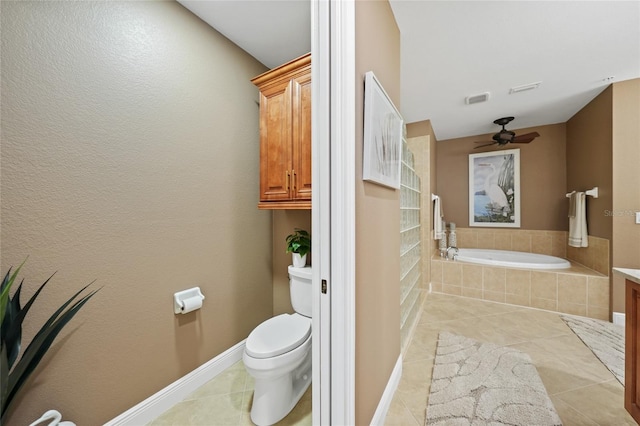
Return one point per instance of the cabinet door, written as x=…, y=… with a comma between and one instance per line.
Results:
x=301, y=159
x=632, y=350
x=275, y=143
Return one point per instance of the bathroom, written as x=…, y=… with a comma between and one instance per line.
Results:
x=125, y=178
x=82, y=158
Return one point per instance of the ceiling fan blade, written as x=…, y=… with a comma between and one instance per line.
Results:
x=489, y=144
x=526, y=138
x=484, y=142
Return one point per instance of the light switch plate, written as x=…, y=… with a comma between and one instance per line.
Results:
x=638, y=218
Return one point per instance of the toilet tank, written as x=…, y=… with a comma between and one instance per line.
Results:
x=300, y=289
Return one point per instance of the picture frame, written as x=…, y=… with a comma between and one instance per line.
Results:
x=383, y=131
x=494, y=189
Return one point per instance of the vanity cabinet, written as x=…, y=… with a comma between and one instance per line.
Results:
x=632, y=349
x=285, y=135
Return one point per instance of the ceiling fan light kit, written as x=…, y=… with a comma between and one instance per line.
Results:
x=505, y=136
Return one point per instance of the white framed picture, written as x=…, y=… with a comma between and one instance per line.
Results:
x=382, y=135
x=494, y=189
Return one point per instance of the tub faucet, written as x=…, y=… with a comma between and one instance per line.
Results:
x=454, y=250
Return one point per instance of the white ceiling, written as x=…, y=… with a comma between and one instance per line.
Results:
x=453, y=49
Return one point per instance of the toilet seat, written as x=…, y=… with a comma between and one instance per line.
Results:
x=278, y=335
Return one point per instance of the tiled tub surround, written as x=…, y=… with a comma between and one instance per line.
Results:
x=577, y=290
x=553, y=243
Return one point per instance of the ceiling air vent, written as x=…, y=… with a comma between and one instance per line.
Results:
x=524, y=87
x=476, y=99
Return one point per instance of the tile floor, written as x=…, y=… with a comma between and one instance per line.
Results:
x=583, y=391
x=226, y=401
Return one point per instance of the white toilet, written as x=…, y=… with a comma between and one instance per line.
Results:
x=277, y=355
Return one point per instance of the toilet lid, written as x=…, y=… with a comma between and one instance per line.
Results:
x=278, y=335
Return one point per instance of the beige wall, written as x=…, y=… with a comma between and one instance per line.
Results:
x=589, y=160
x=377, y=221
x=626, y=182
x=603, y=151
x=129, y=156
x=542, y=178
x=424, y=128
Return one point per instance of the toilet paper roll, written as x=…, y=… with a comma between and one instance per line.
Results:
x=191, y=304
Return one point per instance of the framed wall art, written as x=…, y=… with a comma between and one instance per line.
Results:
x=494, y=189
x=382, y=135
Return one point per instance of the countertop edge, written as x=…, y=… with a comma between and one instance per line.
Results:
x=630, y=274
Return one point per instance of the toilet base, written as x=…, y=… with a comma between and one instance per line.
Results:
x=273, y=400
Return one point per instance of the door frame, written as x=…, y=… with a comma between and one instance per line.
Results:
x=333, y=210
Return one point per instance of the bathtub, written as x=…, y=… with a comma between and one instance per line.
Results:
x=511, y=259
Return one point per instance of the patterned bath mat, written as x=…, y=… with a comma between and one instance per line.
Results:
x=478, y=383
x=606, y=341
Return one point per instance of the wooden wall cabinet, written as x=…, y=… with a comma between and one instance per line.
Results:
x=285, y=135
x=632, y=350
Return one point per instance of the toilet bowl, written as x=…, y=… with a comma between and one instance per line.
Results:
x=278, y=355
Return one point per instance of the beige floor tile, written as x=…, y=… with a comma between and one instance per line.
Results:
x=571, y=373
x=423, y=343
x=602, y=403
x=582, y=389
x=218, y=410
x=230, y=381
x=569, y=415
x=399, y=415
x=413, y=388
x=442, y=310
x=301, y=414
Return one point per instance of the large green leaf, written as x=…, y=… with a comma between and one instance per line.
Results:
x=12, y=377
x=5, y=289
x=39, y=346
x=13, y=330
x=11, y=337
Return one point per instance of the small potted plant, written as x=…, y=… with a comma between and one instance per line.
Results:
x=299, y=244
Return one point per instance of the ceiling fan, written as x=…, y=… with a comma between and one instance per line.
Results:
x=505, y=136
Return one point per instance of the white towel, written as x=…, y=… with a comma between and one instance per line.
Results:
x=572, y=204
x=438, y=232
x=578, y=236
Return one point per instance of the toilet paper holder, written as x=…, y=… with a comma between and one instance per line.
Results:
x=180, y=297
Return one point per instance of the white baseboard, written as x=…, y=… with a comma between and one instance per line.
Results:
x=618, y=318
x=161, y=401
x=387, y=395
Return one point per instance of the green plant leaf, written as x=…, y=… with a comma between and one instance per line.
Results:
x=39, y=346
x=298, y=242
x=5, y=289
x=4, y=373
x=13, y=331
x=10, y=336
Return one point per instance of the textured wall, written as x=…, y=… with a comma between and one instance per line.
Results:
x=589, y=160
x=377, y=220
x=129, y=156
x=542, y=178
x=626, y=183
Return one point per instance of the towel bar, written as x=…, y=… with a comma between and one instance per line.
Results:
x=592, y=192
